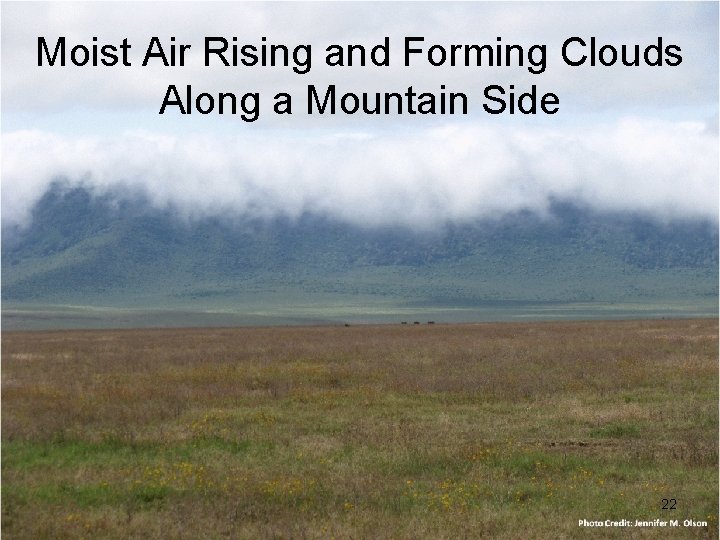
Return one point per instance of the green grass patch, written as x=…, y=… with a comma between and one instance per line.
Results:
x=617, y=431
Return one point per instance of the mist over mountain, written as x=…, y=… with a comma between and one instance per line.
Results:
x=421, y=178
x=116, y=249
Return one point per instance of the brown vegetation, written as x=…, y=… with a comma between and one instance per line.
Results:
x=363, y=431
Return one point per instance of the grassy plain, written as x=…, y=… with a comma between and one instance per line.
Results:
x=405, y=431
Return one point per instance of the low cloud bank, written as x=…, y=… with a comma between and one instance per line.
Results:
x=420, y=179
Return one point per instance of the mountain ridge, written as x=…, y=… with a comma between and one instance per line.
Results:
x=119, y=250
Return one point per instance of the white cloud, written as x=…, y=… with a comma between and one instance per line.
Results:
x=628, y=139
x=453, y=173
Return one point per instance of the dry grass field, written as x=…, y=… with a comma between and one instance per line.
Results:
x=429, y=431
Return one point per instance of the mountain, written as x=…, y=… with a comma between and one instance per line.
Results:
x=118, y=251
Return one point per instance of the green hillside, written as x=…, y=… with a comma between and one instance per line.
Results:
x=115, y=251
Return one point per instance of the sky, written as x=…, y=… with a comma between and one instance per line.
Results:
x=625, y=138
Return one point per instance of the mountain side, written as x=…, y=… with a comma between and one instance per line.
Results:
x=113, y=249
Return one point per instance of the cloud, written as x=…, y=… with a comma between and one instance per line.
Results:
x=422, y=178
x=626, y=138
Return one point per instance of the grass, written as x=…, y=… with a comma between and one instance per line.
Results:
x=441, y=431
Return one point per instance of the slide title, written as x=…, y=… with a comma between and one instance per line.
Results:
x=413, y=52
